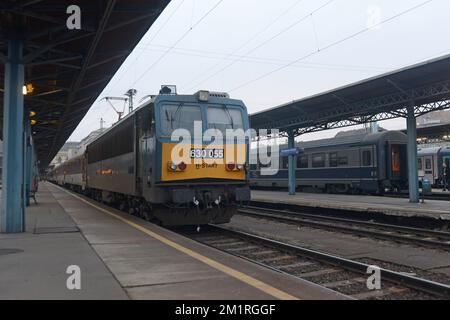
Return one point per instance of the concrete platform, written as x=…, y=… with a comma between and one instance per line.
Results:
x=121, y=257
x=33, y=264
x=434, y=209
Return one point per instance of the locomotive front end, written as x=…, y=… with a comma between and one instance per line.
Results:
x=202, y=150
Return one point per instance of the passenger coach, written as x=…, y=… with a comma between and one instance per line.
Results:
x=352, y=162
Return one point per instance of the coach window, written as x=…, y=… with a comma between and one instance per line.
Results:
x=427, y=164
x=343, y=161
x=302, y=162
x=419, y=163
x=285, y=162
x=333, y=160
x=179, y=117
x=318, y=160
x=367, y=158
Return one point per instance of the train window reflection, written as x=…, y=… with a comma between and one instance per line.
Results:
x=224, y=118
x=179, y=117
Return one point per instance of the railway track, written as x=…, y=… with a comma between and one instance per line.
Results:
x=408, y=235
x=339, y=274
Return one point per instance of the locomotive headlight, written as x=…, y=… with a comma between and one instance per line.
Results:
x=240, y=167
x=172, y=166
x=203, y=96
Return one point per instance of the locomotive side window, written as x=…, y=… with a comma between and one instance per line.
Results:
x=367, y=158
x=318, y=160
x=179, y=117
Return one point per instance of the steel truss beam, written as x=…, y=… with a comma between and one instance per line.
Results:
x=426, y=99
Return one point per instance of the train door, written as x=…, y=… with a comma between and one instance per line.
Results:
x=139, y=150
x=83, y=172
x=398, y=163
x=144, y=134
x=368, y=172
x=428, y=168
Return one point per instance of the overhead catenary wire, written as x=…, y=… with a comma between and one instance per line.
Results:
x=270, y=61
x=302, y=19
x=253, y=37
x=163, y=25
x=177, y=41
x=333, y=44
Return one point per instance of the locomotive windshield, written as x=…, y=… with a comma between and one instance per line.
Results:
x=223, y=118
x=179, y=117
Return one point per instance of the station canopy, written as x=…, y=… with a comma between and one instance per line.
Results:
x=426, y=86
x=68, y=69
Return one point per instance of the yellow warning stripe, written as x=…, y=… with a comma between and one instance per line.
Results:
x=264, y=287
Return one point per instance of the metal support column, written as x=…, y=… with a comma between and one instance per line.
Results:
x=12, y=205
x=413, y=177
x=292, y=165
x=28, y=159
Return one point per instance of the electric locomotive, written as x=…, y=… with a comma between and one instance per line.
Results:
x=131, y=165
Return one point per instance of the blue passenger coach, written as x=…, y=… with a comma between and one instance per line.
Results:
x=351, y=162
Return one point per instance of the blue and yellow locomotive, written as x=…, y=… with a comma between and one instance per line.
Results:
x=131, y=165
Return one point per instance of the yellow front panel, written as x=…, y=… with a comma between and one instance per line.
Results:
x=203, y=168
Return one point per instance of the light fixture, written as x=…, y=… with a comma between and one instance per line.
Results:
x=203, y=96
x=172, y=166
x=32, y=114
x=27, y=88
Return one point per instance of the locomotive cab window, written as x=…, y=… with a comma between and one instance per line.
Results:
x=223, y=118
x=179, y=117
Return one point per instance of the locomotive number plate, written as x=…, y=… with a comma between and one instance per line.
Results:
x=206, y=153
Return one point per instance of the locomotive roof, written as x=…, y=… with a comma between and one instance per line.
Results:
x=163, y=97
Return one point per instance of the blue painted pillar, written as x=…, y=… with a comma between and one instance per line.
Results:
x=12, y=206
x=292, y=165
x=413, y=176
x=27, y=162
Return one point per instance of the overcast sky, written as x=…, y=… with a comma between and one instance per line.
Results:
x=237, y=46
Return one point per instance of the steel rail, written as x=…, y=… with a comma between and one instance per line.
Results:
x=302, y=218
x=412, y=282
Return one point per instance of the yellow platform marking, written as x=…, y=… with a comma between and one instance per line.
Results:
x=264, y=287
